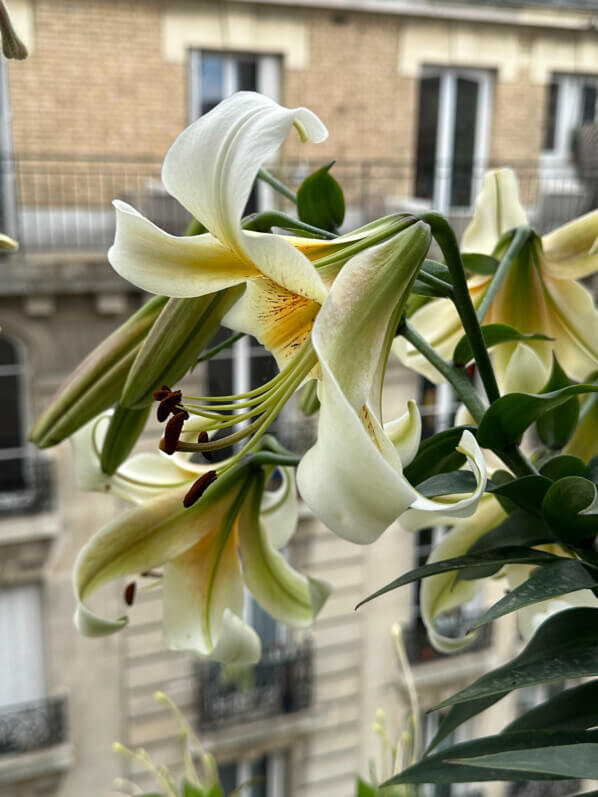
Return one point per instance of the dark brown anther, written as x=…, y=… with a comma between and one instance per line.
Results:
x=159, y=395
x=173, y=430
x=202, y=437
x=151, y=574
x=199, y=487
x=130, y=590
x=169, y=404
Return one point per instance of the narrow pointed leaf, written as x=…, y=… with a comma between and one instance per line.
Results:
x=564, y=646
x=493, y=335
x=479, y=264
x=509, y=416
x=437, y=455
x=438, y=768
x=550, y=581
x=579, y=760
x=482, y=561
x=458, y=481
x=459, y=714
x=526, y=492
x=571, y=710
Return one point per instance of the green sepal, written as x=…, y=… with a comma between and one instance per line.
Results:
x=493, y=335
x=123, y=432
x=320, y=200
x=556, y=427
x=508, y=417
x=97, y=383
x=178, y=337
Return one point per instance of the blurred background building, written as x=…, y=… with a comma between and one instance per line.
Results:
x=420, y=98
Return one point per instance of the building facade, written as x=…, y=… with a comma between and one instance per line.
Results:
x=419, y=99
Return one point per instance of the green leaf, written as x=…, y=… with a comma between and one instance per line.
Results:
x=495, y=558
x=508, y=417
x=190, y=790
x=564, y=646
x=433, y=288
x=570, y=710
x=563, y=508
x=459, y=714
x=579, y=760
x=123, y=432
x=365, y=789
x=519, y=528
x=564, y=465
x=439, y=768
x=320, y=200
x=526, y=492
x=550, y=581
x=592, y=470
x=479, y=264
x=437, y=455
x=493, y=335
x=456, y=482
x=555, y=427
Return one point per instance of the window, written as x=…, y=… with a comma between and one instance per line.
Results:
x=12, y=416
x=452, y=134
x=22, y=677
x=269, y=772
x=572, y=100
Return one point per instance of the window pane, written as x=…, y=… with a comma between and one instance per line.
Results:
x=11, y=421
x=551, y=110
x=588, y=103
x=21, y=645
x=246, y=75
x=8, y=352
x=466, y=112
x=228, y=777
x=212, y=81
x=259, y=769
x=427, y=128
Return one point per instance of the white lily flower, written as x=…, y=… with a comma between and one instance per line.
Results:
x=539, y=294
x=210, y=169
x=352, y=478
x=228, y=537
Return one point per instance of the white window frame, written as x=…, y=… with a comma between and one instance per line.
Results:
x=568, y=117
x=446, y=129
x=275, y=773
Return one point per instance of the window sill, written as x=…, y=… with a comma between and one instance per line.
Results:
x=38, y=763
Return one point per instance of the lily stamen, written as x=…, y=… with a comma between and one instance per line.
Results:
x=129, y=594
x=173, y=430
x=169, y=404
x=199, y=487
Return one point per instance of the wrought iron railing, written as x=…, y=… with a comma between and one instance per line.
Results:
x=27, y=727
x=281, y=683
x=32, y=492
x=54, y=202
x=420, y=650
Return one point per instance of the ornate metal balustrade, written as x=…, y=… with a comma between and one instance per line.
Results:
x=281, y=683
x=33, y=492
x=27, y=727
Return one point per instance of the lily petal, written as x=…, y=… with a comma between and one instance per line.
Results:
x=497, y=210
x=203, y=601
x=443, y=592
x=284, y=593
x=571, y=251
x=170, y=265
x=211, y=168
x=279, y=510
x=405, y=433
x=523, y=370
x=143, y=538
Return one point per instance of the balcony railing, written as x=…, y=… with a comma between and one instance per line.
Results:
x=420, y=650
x=57, y=203
x=281, y=683
x=27, y=727
x=33, y=492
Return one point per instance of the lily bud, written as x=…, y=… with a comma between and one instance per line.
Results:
x=178, y=337
x=97, y=382
x=123, y=431
x=12, y=46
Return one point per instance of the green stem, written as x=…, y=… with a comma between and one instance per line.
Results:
x=444, y=235
x=263, y=222
x=270, y=458
x=274, y=182
x=519, y=240
x=452, y=373
x=207, y=355
x=519, y=464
